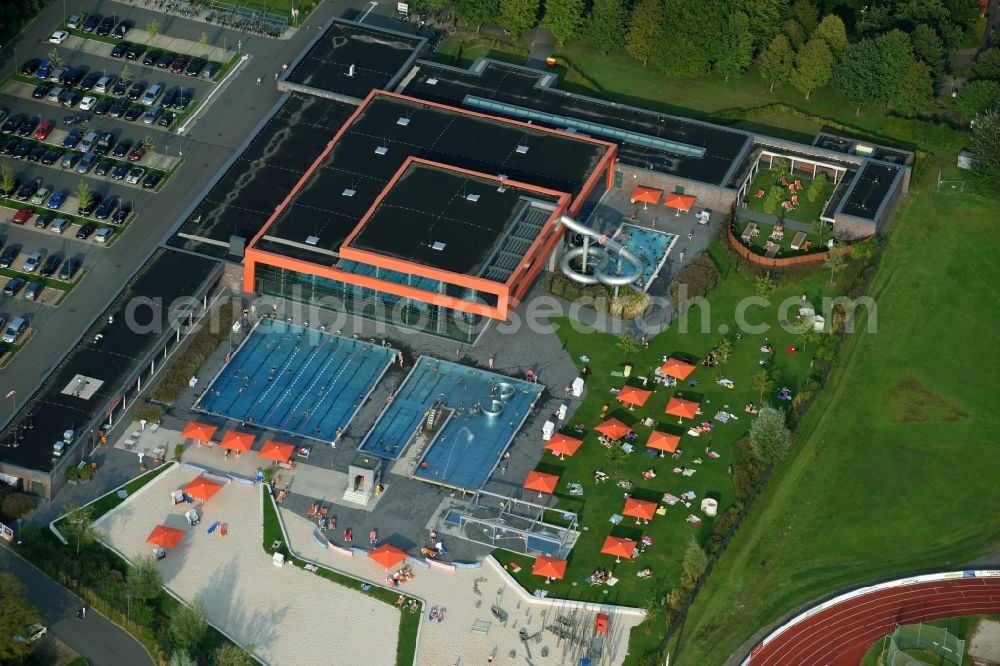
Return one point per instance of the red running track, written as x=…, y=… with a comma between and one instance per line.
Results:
x=840, y=635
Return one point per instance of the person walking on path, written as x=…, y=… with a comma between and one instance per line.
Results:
x=259, y=79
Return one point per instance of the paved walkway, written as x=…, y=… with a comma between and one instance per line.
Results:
x=470, y=633
x=289, y=615
x=98, y=639
x=162, y=42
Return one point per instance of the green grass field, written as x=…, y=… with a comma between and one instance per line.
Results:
x=807, y=211
x=889, y=473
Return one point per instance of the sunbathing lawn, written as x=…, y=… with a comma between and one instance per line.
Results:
x=807, y=211
x=886, y=476
x=760, y=240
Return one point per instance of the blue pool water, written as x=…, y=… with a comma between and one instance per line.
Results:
x=297, y=380
x=489, y=410
x=650, y=246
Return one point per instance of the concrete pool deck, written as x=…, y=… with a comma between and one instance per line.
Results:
x=277, y=610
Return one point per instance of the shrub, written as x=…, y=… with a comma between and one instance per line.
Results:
x=72, y=474
x=816, y=187
x=178, y=452
x=148, y=413
x=200, y=346
x=773, y=200
x=84, y=473
x=16, y=505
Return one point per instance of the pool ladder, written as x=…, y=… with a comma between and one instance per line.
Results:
x=432, y=415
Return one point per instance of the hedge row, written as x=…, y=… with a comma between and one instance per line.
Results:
x=199, y=348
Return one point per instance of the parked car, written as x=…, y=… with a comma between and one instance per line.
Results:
x=120, y=171
x=28, y=126
x=105, y=140
x=74, y=22
x=119, y=108
x=32, y=262
x=136, y=91
x=105, y=27
x=178, y=65
x=135, y=175
x=87, y=103
x=8, y=256
x=103, y=167
x=150, y=116
x=85, y=230
x=58, y=75
x=134, y=51
x=8, y=145
x=44, y=129
x=166, y=119
x=88, y=210
x=33, y=290
x=137, y=153
x=51, y=156
x=55, y=94
x=103, y=234
x=57, y=200
x=22, y=216
x=103, y=84
x=44, y=69
x=107, y=208
x=119, y=51
x=150, y=58
x=170, y=97
x=40, y=91
x=90, y=80
x=22, y=150
x=164, y=60
x=40, y=196
x=59, y=225
x=69, y=269
x=89, y=139
x=70, y=159
x=13, y=286
x=210, y=70
x=51, y=265
x=87, y=163
x=152, y=94
x=36, y=154
x=122, y=29
x=58, y=37
x=28, y=189
x=119, y=89
x=121, y=150
x=195, y=66
x=12, y=123
x=30, y=67
x=101, y=108
x=43, y=220
x=124, y=210
x=71, y=99
x=91, y=22
x=133, y=112
x=152, y=180
x=73, y=78
x=77, y=118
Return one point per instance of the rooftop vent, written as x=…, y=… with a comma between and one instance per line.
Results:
x=438, y=245
x=312, y=240
x=381, y=150
x=432, y=82
x=521, y=149
x=348, y=192
x=472, y=197
x=403, y=120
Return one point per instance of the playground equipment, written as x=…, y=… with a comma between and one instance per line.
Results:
x=607, y=262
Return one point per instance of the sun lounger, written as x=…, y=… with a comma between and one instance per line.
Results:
x=749, y=232
x=772, y=250
x=798, y=240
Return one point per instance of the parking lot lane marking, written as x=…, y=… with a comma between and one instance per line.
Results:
x=222, y=84
x=364, y=14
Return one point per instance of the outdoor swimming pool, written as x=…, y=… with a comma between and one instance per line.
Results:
x=489, y=409
x=650, y=246
x=296, y=380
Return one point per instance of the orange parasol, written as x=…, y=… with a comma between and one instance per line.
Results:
x=237, y=441
x=165, y=537
x=618, y=547
x=199, y=431
x=549, y=567
x=631, y=395
x=387, y=556
x=279, y=451
x=647, y=195
x=202, y=488
x=639, y=509
x=663, y=441
x=542, y=482
x=682, y=408
x=677, y=368
x=563, y=445
x=682, y=202
x=613, y=428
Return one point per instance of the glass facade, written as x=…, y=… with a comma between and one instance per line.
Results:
x=375, y=305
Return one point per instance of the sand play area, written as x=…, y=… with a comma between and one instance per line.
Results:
x=289, y=615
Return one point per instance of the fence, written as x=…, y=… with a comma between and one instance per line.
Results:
x=924, y=638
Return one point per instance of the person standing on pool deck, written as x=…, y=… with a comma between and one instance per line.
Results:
x=373, y=537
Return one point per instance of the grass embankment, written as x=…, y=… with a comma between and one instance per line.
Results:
x=409, y=623
x=891, y=475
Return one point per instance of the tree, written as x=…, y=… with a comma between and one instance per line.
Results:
x=79, y=519
x=737, y=46
x=645, y=30
x=806, y=14
x=769, y=435
x=126, y=76
x=203, y=40
x=55, y=59
x=822, y=231
x=722, y=352
x=895, y=55
x=796, y=36
x=695, y=36
x=231, y=655
x=915, y=93
x=627, y=345
x=988, y=64
x=563, y=18
x=857, y=78
x=817, y=187
x=832, y=31
x=777, y=62
x=762, y=383
x=143, y=578
x=813, y=66
x=984, y=144
x=766, y=17
x=808, y=337
x=517, y=16
x=83, y=194
x=16, y=505
x=604, y=28
x=928, y=48
x=978, y=96
x=148, y=143
x=6, y=177
x=695, y=560
x=835, y=261
x=188, y=625
x=764, y=286
x=16, y=615
x=780, y=167
x=153, y=28
x=773, y=200
x=477, y=12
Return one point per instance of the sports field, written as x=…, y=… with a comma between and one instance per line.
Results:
x=895, y=470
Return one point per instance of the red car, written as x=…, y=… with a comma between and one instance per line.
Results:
x=23, y=215
x=43, y=131
x=136, y=153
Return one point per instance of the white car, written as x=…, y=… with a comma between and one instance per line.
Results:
x=34, y=632
x=58, y=37
x=87, y=103
x=103, y=234
x=135, y=175
x=74, y=21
